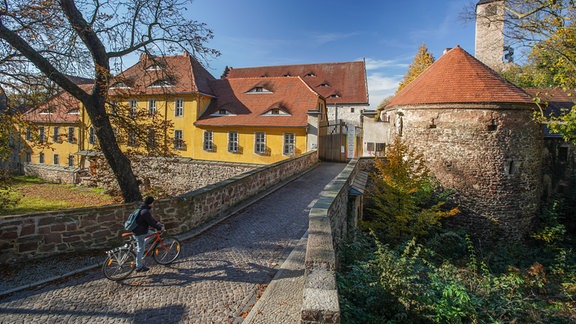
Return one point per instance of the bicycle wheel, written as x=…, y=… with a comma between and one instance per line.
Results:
x=119, y=264
x=167, y=250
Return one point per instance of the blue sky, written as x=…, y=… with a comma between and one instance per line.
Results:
x=385, y=33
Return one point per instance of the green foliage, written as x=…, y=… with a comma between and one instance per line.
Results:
x=8, y=196
x=406, y=200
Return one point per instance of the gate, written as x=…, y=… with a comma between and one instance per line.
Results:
x=333, y=143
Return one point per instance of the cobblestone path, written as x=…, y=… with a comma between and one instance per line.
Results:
x=215, y=280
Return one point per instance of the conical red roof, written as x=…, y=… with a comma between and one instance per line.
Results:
x=458, y=77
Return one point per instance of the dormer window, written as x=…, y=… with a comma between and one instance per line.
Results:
x=47, y=111
x=160, y=84
x=222, y=112
x=310, y=74
x=325, y=84
x=276, y=112
x=119, y=85
x=259, y=90
x=287, y=74
x=335, y=95
x=154, y=67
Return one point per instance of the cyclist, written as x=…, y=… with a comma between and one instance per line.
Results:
x=144, y=221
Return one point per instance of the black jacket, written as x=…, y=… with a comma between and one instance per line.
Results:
x=145, y=220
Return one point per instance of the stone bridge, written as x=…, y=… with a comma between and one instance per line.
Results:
x=334, y=212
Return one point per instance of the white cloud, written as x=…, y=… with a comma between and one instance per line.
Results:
x=331, y=37
x=380, y=87
x=375, y=64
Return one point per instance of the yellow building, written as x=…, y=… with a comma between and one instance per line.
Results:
x=248, y=120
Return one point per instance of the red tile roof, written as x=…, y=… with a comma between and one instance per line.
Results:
x=346, y=80
x=62, y=108
x=458, y=77
x=290, y=94
x=554, y=100
x=178, y=74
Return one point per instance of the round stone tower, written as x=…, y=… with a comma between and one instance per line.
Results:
x=476, y=132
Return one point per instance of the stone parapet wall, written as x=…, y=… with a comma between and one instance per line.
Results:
x=39, y=235
x=328, y=226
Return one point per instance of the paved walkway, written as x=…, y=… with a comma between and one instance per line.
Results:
x=217, y=279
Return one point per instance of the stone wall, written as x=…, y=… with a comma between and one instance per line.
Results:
x=490, y=154
x=44, y=234
x=165, y=176
x=329, y=224
x=168, y=176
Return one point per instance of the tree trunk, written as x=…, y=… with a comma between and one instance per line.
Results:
x=117, y=160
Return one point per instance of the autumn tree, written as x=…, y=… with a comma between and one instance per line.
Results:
x=90, y=38
x=543, y=33
x=422, y=61
x=406, y=199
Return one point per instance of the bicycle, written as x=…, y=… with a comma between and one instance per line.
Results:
x=121, y=261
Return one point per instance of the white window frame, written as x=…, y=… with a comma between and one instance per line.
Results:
x=260, y=143
x=42, y=134
x=178, y=139
x=233, y=142
x=289, y=144
x=179, y=107
x=71, y=134
x=133, y=106
x=208, y=141
x=92, y=136
x=56, y=135
x=152, y=106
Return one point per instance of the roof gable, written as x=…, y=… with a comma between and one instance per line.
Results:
x=160, y=75
x=337, y=82
x=458, y=77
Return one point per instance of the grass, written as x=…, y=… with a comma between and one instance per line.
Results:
x=36, y=195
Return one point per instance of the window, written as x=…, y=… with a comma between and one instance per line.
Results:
x=151, y=140
x=260, y=142
x=56, y=138
x=259, y=89
x=41, y=158
x=133, y=106
x=71, y=135
x=289, y=144
x=71, y=160
x=132, y=139
x=152, y=106
x=28, y=133
x=208, y=141
x=179, y=108
x=370, y=147
x=380, y=147
x=42, y=134
x=352, y=109
x=92, y=136
x=56, y=159
x=28, y=157
x=178, y=140
x=233, y=142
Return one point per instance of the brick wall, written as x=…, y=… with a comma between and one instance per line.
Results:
x=44, y=234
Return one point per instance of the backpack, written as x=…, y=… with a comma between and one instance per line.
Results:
x=130, y=222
